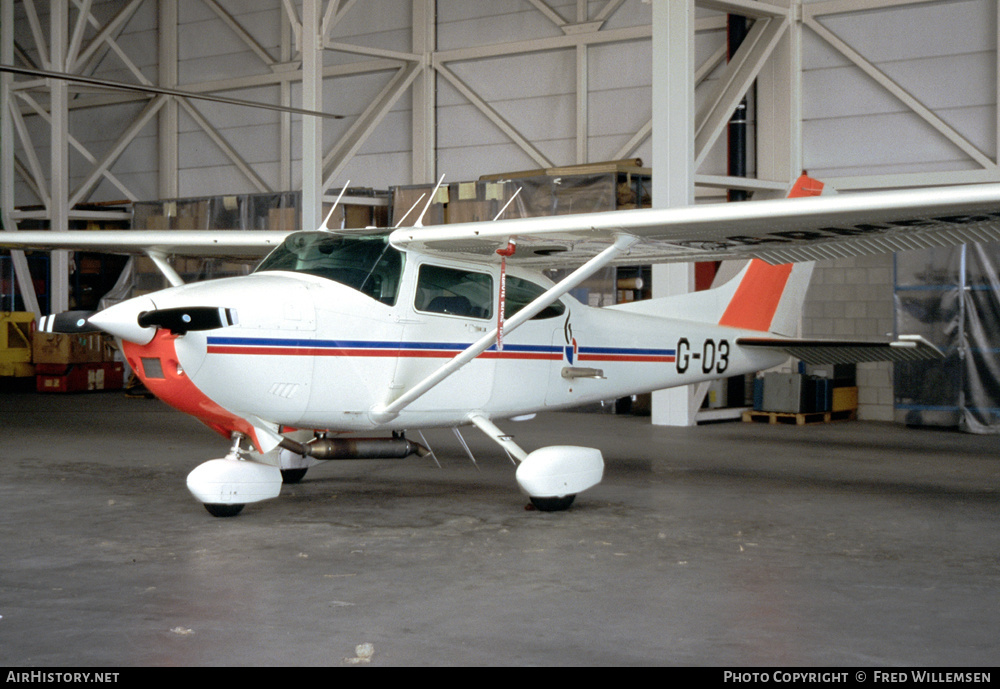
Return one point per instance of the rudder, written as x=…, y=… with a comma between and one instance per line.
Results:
x=768, y=298
x=761, y=297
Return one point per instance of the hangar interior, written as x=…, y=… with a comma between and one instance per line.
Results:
x=443, y=88
x=861, y=94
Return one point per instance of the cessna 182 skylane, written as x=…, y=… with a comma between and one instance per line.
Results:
x=343, y=332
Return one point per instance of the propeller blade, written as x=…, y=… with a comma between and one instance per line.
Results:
x=185, y=319
x=68, y=323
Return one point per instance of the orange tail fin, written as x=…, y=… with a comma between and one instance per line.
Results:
x=757, y=303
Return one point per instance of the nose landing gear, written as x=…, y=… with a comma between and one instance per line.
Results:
x=226, y=485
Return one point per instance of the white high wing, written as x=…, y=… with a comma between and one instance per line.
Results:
x=344, y=332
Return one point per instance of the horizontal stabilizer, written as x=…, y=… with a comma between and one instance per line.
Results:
x=825, y=352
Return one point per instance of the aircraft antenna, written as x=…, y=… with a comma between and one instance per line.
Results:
x=509, y=201
x=335, y=204
x=420, y=220
x=458, y=434
x=407, y=213
x=427, y=445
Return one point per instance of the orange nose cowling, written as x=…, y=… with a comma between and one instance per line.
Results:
x=157, y=366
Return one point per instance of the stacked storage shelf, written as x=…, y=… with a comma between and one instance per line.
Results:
x=59, y=363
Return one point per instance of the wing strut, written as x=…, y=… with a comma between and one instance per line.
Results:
x=387, y=412
x=160, y=261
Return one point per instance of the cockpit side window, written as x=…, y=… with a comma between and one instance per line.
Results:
x=366, y=263
x=454, y=292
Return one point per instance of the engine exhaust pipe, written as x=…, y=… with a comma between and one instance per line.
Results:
x=356, y=448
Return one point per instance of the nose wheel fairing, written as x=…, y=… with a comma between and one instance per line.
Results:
x=233, y=482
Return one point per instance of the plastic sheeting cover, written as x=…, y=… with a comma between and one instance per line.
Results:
x=951, y=296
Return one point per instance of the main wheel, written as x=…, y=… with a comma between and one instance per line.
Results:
x=553, y=504
x=219, y=510
x=293, y=475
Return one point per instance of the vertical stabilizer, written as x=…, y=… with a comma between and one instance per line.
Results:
x=768, y=298
x=760, y=297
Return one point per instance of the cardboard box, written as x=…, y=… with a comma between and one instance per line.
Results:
x=357, y=217
x=158, y=222
x=191, y=216
x=471, y=211
x=282, y=219
x=405, y=200
x=55, y=348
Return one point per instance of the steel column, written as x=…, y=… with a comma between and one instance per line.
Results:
x=24, y=283
x=424, y=164
x=673, y=163
x=169, y=167
x=59, y=155
x=312, y=127
x=779, y=109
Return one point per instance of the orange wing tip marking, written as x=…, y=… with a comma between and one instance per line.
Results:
x=806, y=186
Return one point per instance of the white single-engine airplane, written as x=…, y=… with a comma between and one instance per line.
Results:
x=343, y=332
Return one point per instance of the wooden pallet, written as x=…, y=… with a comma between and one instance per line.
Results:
x=799, y=419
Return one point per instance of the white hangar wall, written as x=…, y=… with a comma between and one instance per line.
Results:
x=892, y=93
x=906, y=96
x=536, y=93
x=855, y=133
x=530, y=91
x=940, y=56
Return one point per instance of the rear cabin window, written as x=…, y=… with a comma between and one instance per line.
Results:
x=454, y=292
x=520, y=293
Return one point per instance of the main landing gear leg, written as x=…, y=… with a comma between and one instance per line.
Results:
x=552, y=476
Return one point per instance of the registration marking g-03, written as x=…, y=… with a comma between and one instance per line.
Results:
x=714, y=355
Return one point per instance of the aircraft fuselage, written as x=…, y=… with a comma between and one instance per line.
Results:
x=308, y=352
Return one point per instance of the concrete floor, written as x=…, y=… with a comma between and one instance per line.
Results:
x=850, y=544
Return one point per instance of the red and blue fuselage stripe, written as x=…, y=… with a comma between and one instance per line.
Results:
x=625, y=354
x=374, y=348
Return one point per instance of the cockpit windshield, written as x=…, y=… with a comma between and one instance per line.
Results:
x=364, y=262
